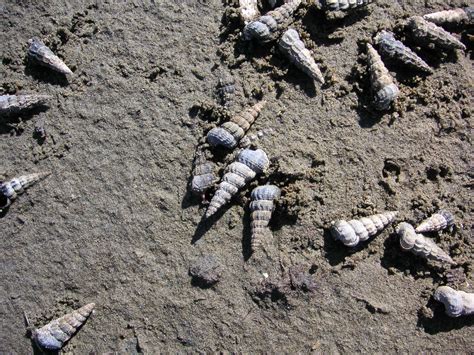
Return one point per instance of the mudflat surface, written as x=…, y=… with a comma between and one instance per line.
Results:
x=115, y=224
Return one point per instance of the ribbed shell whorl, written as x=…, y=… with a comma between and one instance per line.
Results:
x=440, y=220
x=40, y=52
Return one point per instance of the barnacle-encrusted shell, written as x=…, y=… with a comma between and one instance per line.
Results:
x=248, y=10
x=203, y=173
x=426, y=32
x=454, y=16
x=384, y=89
x=10, y=104
x=357, y=230
x=436, y=222
x=251, y=139
x=396, y=50
x=261, y=208
x=336, y=5
x=293, y=47
x=238, y=174
x=10, y=190
x=419, y=245
x=266, y=28
x=55, y=334
x=231, y=132
x=456, y=303
x=38, y=50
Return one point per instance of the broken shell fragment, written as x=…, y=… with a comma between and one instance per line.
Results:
x=397, y=51
x=248, y=10
x=55, y=334
x=261, y=209
x=425, y=33
x=292, y=47
x=248, y=164
x=440, y=220
x=40, y=52
x=266, y=28
x=448, y=17
x=12, y=104
x=10, y=190
x=456, y=303
x=384, y=89
x=357, y=230
x=419, y=245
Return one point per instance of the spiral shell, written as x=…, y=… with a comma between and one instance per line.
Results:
x=262, y=208
x=436, y=222
x=248, y=10
x=396, y=50
x=338, y=5
x=454, y=16
x=427, y=32
x=248, y=164
x=38, y=51
x=230, y=133
x=385, y=90
x=419, y=245
x=251, y=139
x=203, y=173
x=226, y=89
x=265, y=28
x=55, y=334
x=456, y=303
x=357, y=230
x=291, y=46
x=10, y=190
x=10, y=104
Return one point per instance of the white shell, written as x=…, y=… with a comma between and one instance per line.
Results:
x=427, y=32
x=338, y=5
x=10, y=190
x=419, y=245
x=357, y=230
x=436, y=222
x=449, y=16
x=14, y=103
x=291, y=46
x=54, y=334
x=248, y=10
x=39, y=51
x=456, y=303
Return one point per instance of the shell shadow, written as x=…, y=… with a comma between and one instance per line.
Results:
x=334, y=251
x=246, y=234
x=205, y=224
x=7, y=122
x=440, y=322
x=44, y=74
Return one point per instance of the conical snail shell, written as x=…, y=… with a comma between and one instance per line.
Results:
x=419, y=245
x=449, y=16
x=54, y=334
x=230, y=133
x=337, y=5
x=436, y=222
x=39, y=51
x=456, y=303
x=14, y=103
x=10, y=190
x=248, y=10
x=266, y=28
x=291, y=46
x=357, y=230
x=396, y=50
x=426, y=32
x=262, y=208
x=203, y=173
x=238, y=174
x=383, y=86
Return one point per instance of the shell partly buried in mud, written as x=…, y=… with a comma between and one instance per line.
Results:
x=55, y=334
x=426, y=33
x=226, y=89
x=204, y=176
x=266, y=28
x=230, y=133
x=357, y=230
x=456, y=303
x=440, y=220
x=454, y=16
x=11, y=104
x=383, y=86
x=261, y=208
x=248, y=164
x=420, y=245
x=10, y=190
x=342, y=5
x=390, y=47
x=248, y=10
x=293, y=47
x=40, y=52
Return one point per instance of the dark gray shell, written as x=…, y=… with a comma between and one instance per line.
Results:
x=426, y=33
x=396, y=50
x=226, y=89
x=12, y=104
x=204, y=176
x=220, y=136
x=44, y=56
x=256, y=160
